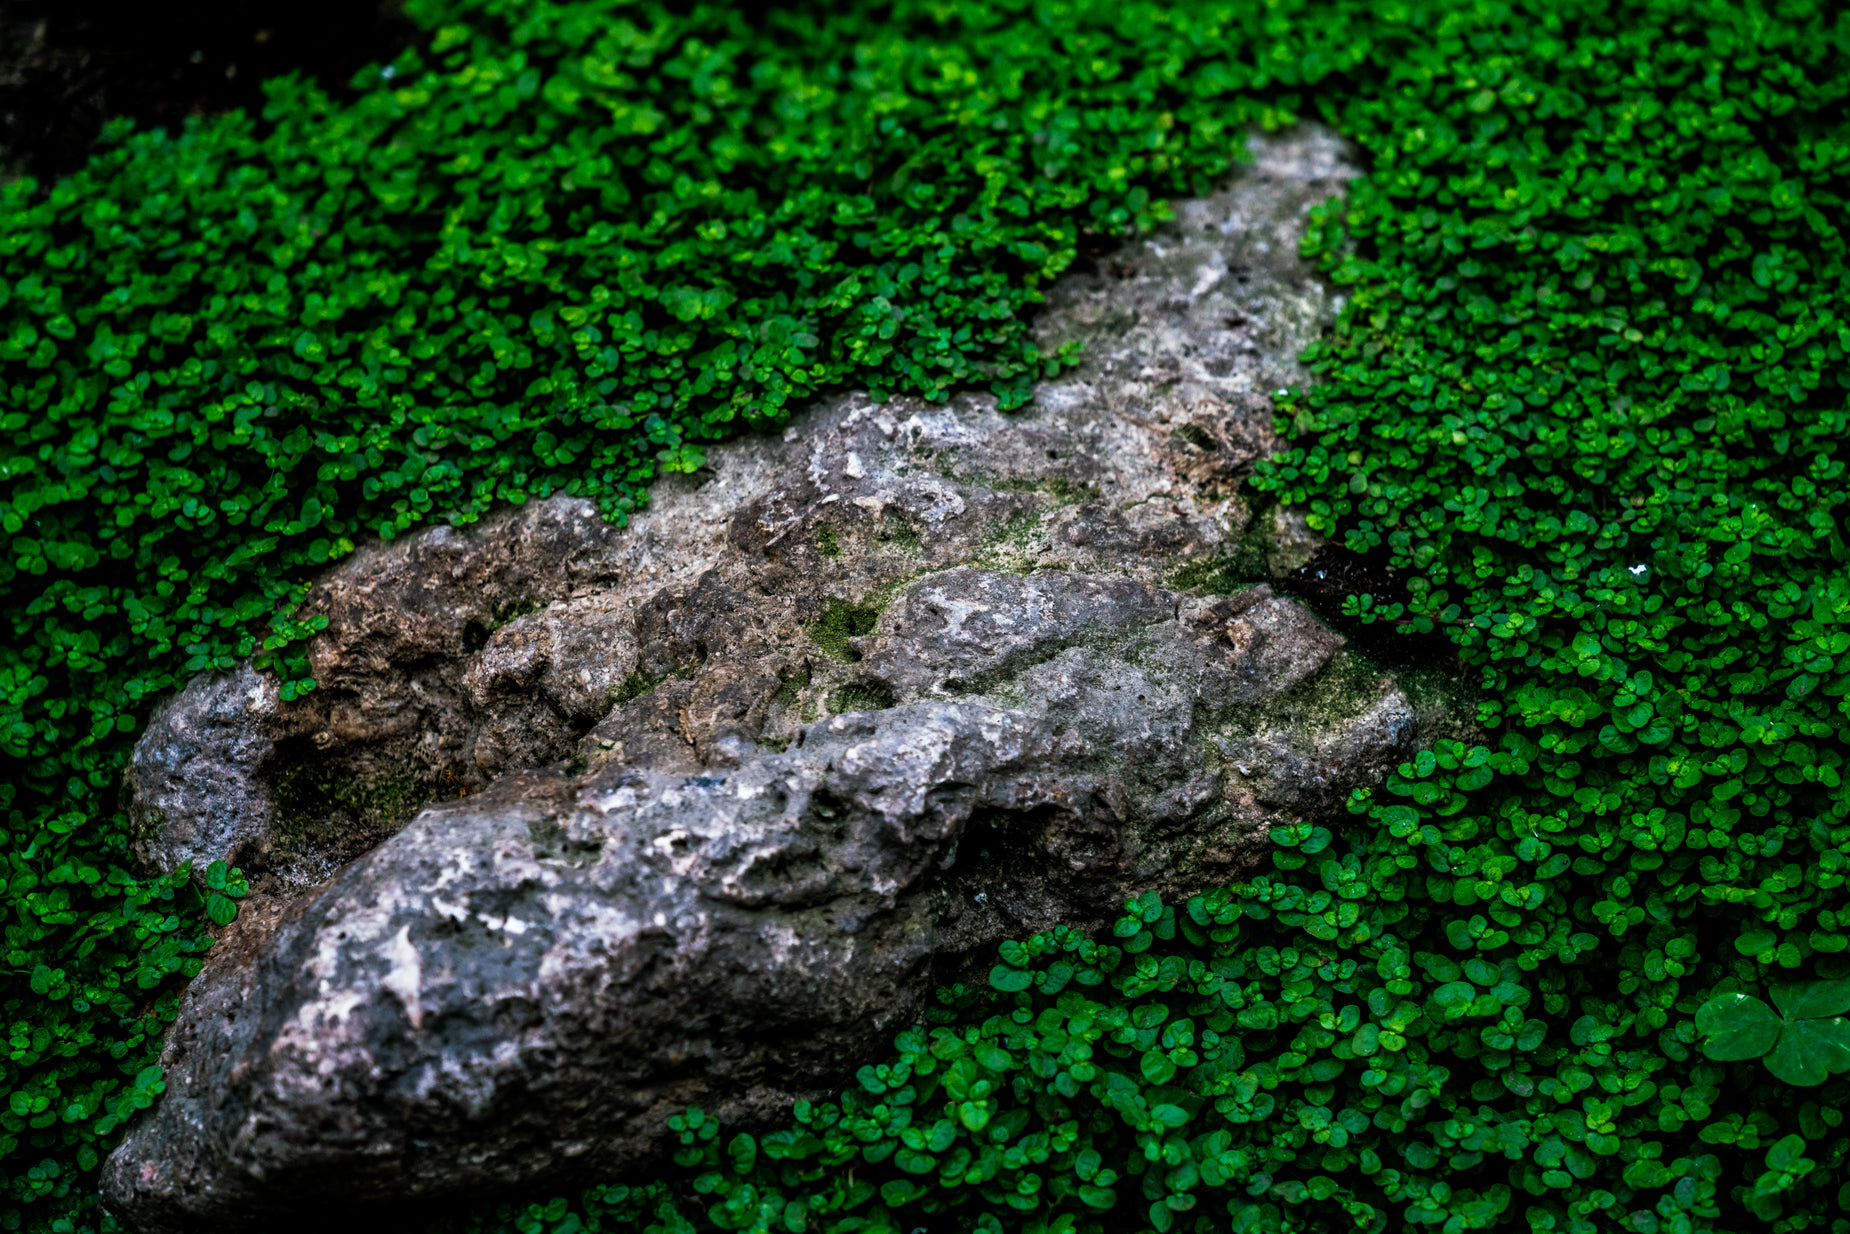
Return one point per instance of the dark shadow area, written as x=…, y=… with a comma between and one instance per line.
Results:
x=1334, y=574
x=69, y=66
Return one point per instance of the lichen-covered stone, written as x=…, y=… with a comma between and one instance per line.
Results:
x=705, y=800
x=196, y=780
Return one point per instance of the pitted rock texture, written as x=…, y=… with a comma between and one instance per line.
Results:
x=704, y=800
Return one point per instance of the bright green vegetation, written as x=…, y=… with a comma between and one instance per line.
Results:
x=1588, y=388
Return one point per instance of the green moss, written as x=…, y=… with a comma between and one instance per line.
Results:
x=1215, y=576
x=307, y=792
x=233, y=351
x=840, y=622
x=790, y=686
x=325, y=812
x=1011, y=544
x=896, y=530
x=861, y=696
x=790, y=689
x=1069, y=493
x=1062, y=489
x=476, y=633
x=511, y=609
x=826, y=542
x=637, y=684
x=1021, y=529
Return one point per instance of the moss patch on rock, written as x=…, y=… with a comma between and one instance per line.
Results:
x=841, y=622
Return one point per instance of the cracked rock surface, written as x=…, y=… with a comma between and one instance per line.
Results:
x=585, y=824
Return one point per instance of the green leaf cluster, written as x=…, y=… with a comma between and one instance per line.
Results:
x=1228, y=1066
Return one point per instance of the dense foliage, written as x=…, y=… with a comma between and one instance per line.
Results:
x=1587, y=392
x=1590, y=394
x=554, y=252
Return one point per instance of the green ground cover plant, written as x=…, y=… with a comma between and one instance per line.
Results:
x=1585, y=974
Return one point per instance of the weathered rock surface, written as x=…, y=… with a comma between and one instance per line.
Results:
x=695, y=806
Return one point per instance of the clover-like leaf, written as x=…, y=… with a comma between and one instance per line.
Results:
x=1799, y=1048
x=1737, y=1026
x=1810, y=1051
x=1786, y=1154
x=1455, y=995
x=1810, y=1000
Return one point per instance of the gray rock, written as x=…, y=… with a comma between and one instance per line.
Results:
x=598, y=823
x=196, y=784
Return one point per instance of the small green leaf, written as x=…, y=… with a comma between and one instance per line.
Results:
x=744, y=1153
x=1754, y=942
x=901, y=1191
x=1454, y=995
x=913, y=1162
x=1786, y=1153
x=1010, y=980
